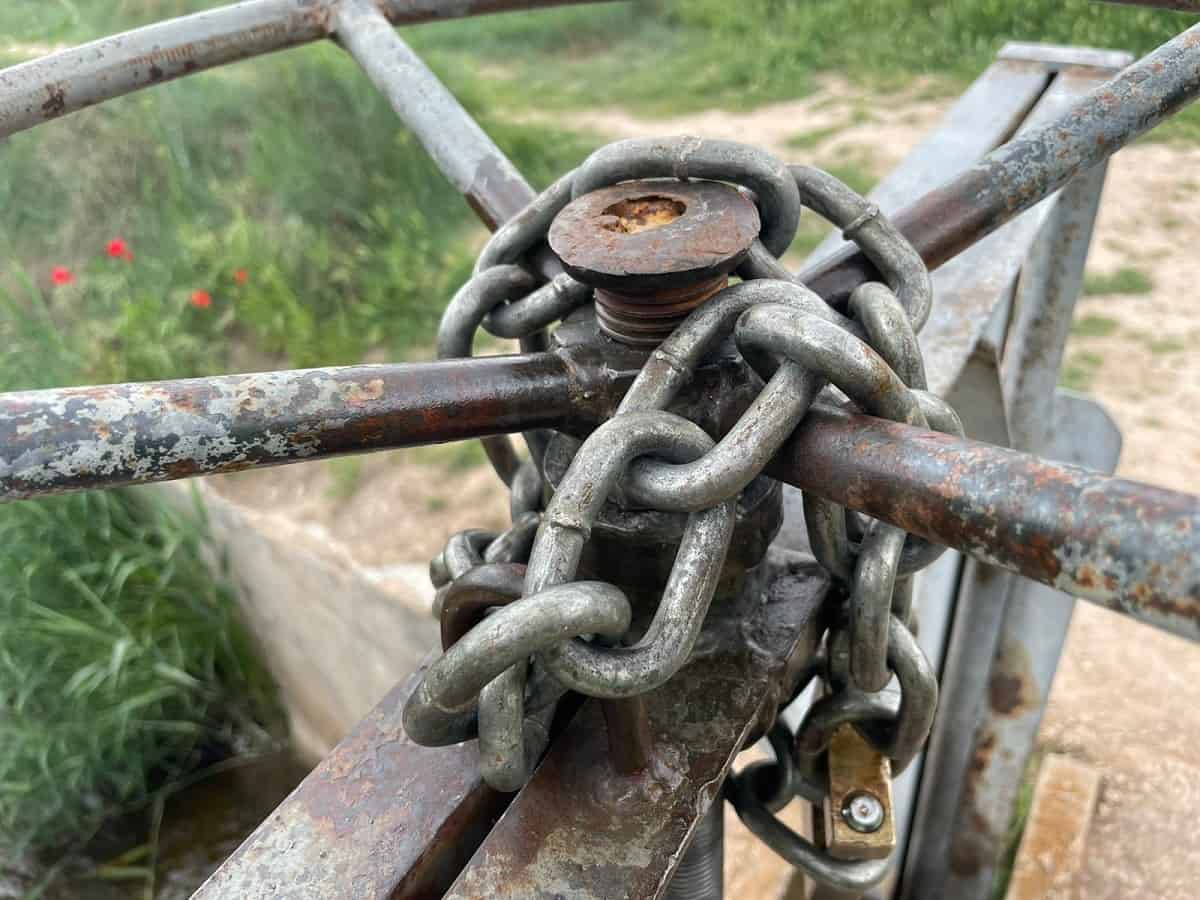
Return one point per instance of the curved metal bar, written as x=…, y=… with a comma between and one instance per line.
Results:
x=743, y=451
x=590, y=480
x=456, y=338
x=614, y=672
x=871, y=605
x=1016, y=176
x=104, y=436
x=1124, y=545
x=840, y=357
x=854, y=877
x=473, y=594
x=897, y=735
x=889, y=331
x=503, y=762
x=525, y=230
x=70, y=80
x=442, y=709
x=549, y=303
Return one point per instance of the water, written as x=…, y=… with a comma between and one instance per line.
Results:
x=201, y=826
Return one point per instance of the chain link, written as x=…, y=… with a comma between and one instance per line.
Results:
x=517, y=638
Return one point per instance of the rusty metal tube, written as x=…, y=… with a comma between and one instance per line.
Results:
x=1192, y=6
x=462, y=150
x=88, y=437
x=1123, y=545
x=1018, y=174
x=72, y=79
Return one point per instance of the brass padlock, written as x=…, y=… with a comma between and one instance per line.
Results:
x=858, y=809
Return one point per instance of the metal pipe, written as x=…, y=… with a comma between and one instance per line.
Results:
x=462, y=150
x=700, y=874
x=1124, y=545
x=1019, y=174
x=88, y=437
x=1025, y=651
x=1120, y=544
x=63, y=82
x=1192, y=6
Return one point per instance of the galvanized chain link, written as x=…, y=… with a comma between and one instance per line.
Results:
x=506, y=300
x=501, y=676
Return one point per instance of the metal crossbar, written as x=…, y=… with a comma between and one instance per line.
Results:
x=1127, y=546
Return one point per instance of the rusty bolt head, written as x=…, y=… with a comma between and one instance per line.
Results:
x=642, y=237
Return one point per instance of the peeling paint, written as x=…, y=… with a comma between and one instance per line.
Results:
x=78, y=438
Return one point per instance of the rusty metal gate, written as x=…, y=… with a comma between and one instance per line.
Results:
x=736, y=486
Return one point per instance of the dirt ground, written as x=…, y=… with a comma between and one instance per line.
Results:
x=1125, y=696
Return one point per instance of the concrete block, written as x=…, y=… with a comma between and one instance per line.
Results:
x=1051, y=853
x=335, y=635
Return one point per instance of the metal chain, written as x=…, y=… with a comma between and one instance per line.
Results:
x=509, y=659
x=506, y=300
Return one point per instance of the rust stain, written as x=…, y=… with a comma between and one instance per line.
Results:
x=56, y=104
x=1012, y=688
x=361, y=395
x=972, y=847
x=184, y=468
x=1087, y=577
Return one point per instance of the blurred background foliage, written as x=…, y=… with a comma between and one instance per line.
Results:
x=293, y=168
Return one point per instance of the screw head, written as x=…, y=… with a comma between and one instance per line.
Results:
x=643, y=237
x=863, y=811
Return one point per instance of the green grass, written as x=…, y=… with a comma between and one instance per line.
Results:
x=806, y=140
x=346, y=472
x=1080, y=370
x=292, y=168
x=122, y=665
x=1094, y=326
x=664, y=56
x=1126, y=280
x=1160, y=346
x=1016, y=828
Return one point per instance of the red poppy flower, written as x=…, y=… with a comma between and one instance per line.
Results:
x=201, y=299
x=241, y=276
x=61, y=275
x=118, y=249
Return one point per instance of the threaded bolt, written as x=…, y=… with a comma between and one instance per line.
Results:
x=701, y=872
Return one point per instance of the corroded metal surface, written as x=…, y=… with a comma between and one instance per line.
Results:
x=1192, y=6
x=641, y=236
x=463, y=152
x=1124, y=545
x=75, y=438
x=1015, y=176
x=974, y=284
x=379, y=817
x=83, y=76
x=653, y=250
x=581, y=830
